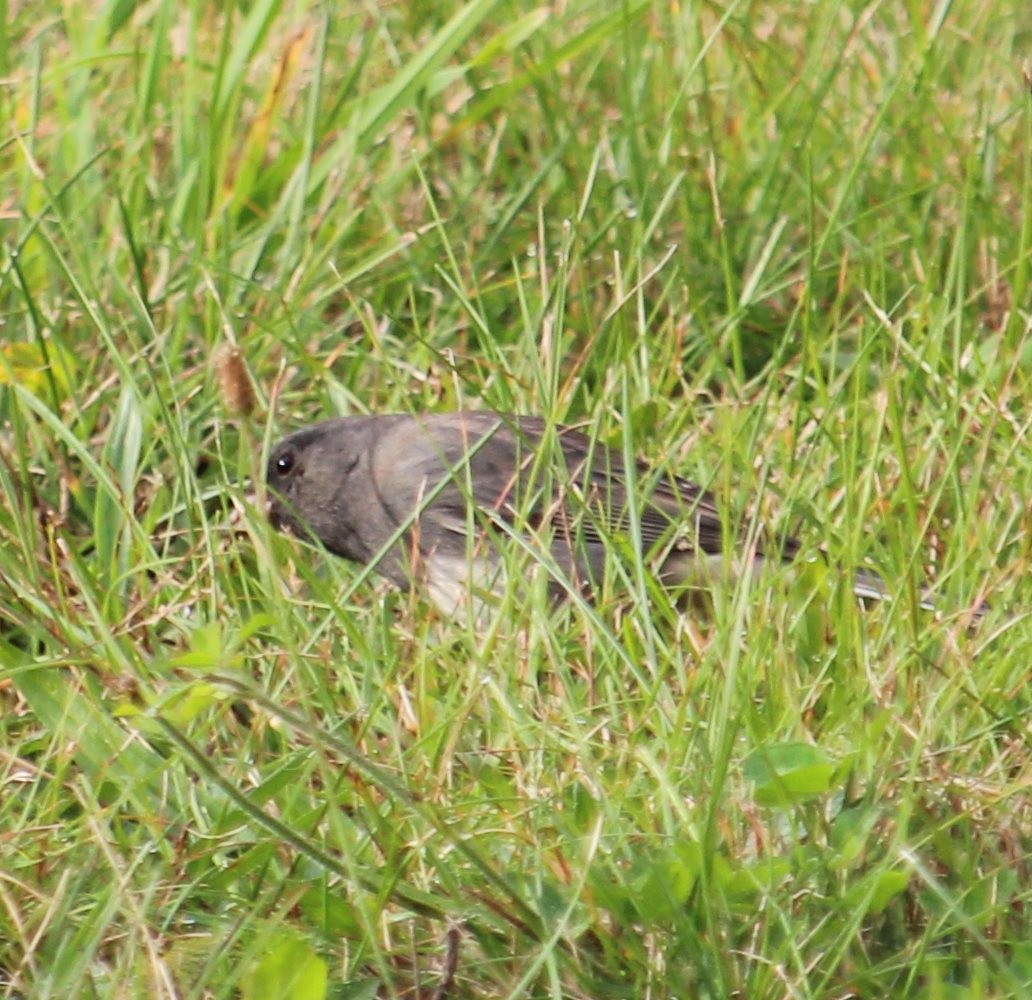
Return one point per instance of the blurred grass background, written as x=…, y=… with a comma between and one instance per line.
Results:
x=782, y=247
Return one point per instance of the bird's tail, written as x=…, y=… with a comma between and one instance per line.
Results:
x=869, y=586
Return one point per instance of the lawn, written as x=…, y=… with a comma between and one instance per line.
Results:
x=782, y=248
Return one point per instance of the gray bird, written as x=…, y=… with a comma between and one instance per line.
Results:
x=432, y=500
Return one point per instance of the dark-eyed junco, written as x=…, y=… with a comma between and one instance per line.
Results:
x=429, y=498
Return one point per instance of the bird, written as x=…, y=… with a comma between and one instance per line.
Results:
x=431, y=500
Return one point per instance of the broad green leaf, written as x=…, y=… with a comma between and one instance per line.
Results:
x=290, y=970
x=788, y=773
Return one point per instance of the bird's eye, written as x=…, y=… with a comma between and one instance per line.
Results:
x=284, y=464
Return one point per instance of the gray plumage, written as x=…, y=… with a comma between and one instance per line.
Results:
x=428, y=498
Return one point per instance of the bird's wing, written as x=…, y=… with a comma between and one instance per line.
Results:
x=671, y=509
x=439, y=462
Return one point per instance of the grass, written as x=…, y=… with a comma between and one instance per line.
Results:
x=783, y=248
